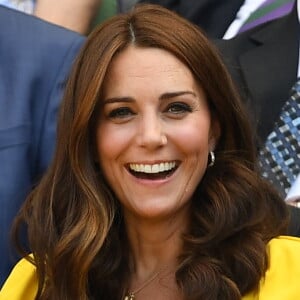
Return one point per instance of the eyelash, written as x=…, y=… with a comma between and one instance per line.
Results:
x=120, y=112
x=178, y=108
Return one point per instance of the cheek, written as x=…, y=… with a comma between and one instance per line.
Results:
x=108, y=141
x=194, y=137
x=112, y=141
x=104, y=147
x=107, y=151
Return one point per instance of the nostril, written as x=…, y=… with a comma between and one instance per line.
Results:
x=152, y=139
x=151, y=133
x=164, y=140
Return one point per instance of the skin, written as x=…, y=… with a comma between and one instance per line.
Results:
x=153, y=112
x=75, y=15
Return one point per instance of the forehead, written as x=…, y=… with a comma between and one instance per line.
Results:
x=137, y=64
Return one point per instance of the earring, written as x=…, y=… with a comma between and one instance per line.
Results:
x=211, y=159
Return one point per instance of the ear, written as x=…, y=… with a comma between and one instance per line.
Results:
x=215, y=132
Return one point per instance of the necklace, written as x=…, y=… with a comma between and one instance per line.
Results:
x=131, y=295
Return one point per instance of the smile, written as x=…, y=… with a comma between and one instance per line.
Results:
x=153, y=171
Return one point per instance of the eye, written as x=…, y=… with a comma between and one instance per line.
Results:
x=120, y=113
x=178, y=108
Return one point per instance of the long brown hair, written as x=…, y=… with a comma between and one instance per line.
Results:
x=74, y=221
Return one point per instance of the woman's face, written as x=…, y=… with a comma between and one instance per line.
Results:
x=154, y=132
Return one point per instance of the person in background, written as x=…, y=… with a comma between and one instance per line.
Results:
x=76, y=15
x=264, y=63
x=212, y=16
x=139, y=203
x=26, y=6
x=222, y=19
x=256, y=12
x=35, y=59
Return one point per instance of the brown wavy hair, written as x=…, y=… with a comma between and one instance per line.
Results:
x=74, y=221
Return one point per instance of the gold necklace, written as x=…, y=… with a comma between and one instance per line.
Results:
x=131, y=295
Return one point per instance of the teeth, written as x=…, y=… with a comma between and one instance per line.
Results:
x=151, y=169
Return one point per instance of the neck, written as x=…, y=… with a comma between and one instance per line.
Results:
x=155, y=244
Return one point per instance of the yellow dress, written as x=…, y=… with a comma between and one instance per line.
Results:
x=281, y=282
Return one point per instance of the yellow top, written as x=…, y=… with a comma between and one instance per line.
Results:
x=282, y=279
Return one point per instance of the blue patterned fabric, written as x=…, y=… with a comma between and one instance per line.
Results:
x=280, y=157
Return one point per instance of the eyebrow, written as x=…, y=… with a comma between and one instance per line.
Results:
x=170, y=95
x=117, y=99
x=164, y=96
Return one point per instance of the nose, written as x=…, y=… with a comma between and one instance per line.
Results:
x=151, y=133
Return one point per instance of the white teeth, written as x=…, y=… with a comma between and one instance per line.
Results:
x=148, y=169
x=156, y=168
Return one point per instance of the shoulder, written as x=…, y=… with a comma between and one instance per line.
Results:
x=284, y=252
x=16, y=20
x=281, y=280
x=277, y=31
x=284, y=243
x=26, y=36
x=22, y=282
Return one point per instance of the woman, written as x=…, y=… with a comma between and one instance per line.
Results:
x=153, y=192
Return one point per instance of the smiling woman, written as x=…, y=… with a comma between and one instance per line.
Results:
x=153, y=192
x=153, y=121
